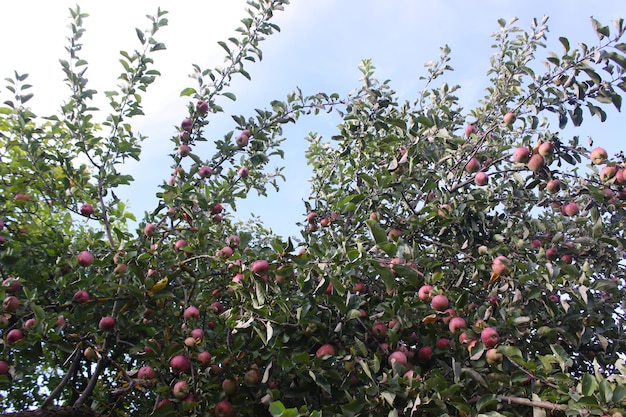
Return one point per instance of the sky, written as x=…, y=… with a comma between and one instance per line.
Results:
x=319, y=48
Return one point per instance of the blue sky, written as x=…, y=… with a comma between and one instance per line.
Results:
x=319, y=49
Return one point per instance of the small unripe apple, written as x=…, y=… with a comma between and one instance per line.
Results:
x=81, y=296
x=439, y=302
x=598, y=156
x=85, y=258
x=481, y=179
x=180, y=390
x=509, y=118
x=106, y=324
x=10, y=304
x=86, y=209
x=489, y=336
x=536, y=162
x=180, y=363
x=191, y=312
x=521, y=154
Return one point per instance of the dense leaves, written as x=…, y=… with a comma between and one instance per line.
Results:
x=451, y=262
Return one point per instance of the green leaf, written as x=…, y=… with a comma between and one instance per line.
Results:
x=276, y=408
x=485, y=401
x=589, y=385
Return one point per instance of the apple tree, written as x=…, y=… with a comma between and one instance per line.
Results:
x=451, y=262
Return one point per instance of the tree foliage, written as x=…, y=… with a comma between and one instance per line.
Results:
x=451, y=262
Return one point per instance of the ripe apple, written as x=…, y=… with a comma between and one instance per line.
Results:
x=379, y=329
x=85, y=258
x=260, y=267
x=90, y=354
x=509, y=118
x=553, y=186
x=205, y=171
x=444, y=210
x=11, y=285
x=457, y=324
x=217, y=209
x=204, y=357
x=14, y=336
x=197, y=334
x=146, y=372
x=224, y=409
x=570, y=209
x=191, y=312
x=1, y=225
x=619, y=177
x=229, y=387
x=181, y=243
x=481, y=179
x=202, y=107
x=489, y=336
x=443, y=343
x=424, y=293
x=326, y=349
x=394, y=234
x=180, y=363
x=546, y=149
x=217, y=307
x=106, y=324
x=244, y=172
x=186, y=124
x=81, y=296
x=472, y=165
x=607, y=173
x=425, y=353
x=30, y=324
x=567, y=258
x=184, y=150
x=521, y=154
x=552, y=253
x=180, y=389
x=163, y=403
x=398, y=357
x=536, y=162
x=493, y=356
x=242, y=140
x=20, y=198
x=470, y=129
x=252, y=377
x=439, y=302
x=10, y=304
x=500, y=265
x=598, y=156
x=4, y=368
x=86, y=209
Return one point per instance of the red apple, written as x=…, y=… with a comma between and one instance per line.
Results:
x=500, y=265
x=260, y=267
x=205, y=171
x=620, y=178
x=536, y=162
x=81, y=296
x=217, y=307
x=443, y=343
x=164, y=402
x=535, y=244
x=546, y=149
x=202, y=107
x=481, y=179
x=150, y=230
x=146, y=372
x=398, y=357
x=509, y=118
x=180, y=363
x=85, y=258
x=197, y=334
x=472, y=165
x=470, y=129
x=424, y=293
x=607, y=173
x=106, y=324
x=217, y=209
x=394, y=234
x=553, y=186
x=242, y=140
x=20, y=198
x=552, y=253
x=191, y=312
x=490, y=337
x=10, y=304
x=379, y=329
x=493, y=356
x=567, y=258
x=204, y=357
x=11, y=285
x=598, y=156
x=439, y=302
x=186, y=125
x=180, y=244
x=229, y=387
x=30, y=324
x=224, y=409
x=184, y=150
x=86, y=209
x=180, y=389
x=244, y=172
x=521, y=154
x=570, y=209
x=425, y=353
x=252, y=377
x=457, y=324
x=4, y=368
x=14, y=336
x=326, y=349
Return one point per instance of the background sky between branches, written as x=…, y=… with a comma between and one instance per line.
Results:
x=319, y=49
